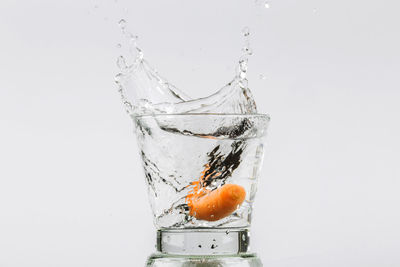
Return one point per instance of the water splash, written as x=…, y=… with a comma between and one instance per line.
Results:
x=223, y=146
x=144, y=91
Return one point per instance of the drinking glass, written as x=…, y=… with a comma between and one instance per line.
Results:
x=201, y=172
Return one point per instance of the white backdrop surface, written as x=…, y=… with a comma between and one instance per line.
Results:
x=72, y=191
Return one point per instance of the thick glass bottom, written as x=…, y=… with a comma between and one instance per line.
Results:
x=239, y=260
x=198, y=247
x=207, y=241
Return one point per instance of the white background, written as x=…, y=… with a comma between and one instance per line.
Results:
x=72, y=191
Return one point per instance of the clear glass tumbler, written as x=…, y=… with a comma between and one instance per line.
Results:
x=201, y=171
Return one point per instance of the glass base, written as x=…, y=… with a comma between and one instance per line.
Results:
x=203, y=247
x=245, y=260
x=206, y=241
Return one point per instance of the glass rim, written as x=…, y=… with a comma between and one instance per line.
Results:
x=261, y=115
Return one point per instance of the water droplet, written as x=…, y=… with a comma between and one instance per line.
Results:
x=262, y=77
x=133, y=38
x=121, y=63
x=122, y=24
x=264, y=3
x=118, y=77
x=96, y=6
x=247, y=50
x=244, y=237
x=246, y=31
x=119, y=45
x=243, y=67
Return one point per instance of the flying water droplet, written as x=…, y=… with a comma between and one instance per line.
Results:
x=263, y=3
x=262, y=77
x=146, y=84
x=122, y=24
x=246, y=48
x=133, y=38
x=118, y=77
x=121, y=63
x=243, y=65
x=246, y=31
